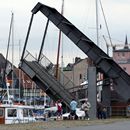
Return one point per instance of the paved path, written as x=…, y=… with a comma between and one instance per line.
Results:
x=108, y=124
x=125, y=125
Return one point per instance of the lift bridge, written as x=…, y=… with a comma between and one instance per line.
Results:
x=43, y=75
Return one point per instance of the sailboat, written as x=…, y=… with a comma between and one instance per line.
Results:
x=11, y=112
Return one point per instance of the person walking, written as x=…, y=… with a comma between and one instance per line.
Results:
x=86, y=107
x=59, y=109
x=73, y=106
x=99, y=110
x=104, y=112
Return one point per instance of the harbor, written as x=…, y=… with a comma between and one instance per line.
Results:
x=45, y=92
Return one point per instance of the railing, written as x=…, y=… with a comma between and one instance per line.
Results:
x=29, y=57
x=122, y=111
x=51, y=68
x=119, y=111
x=64, y=80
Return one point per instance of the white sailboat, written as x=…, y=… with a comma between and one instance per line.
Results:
x=10, y=112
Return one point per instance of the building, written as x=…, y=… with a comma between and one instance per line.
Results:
x=77, y=73
x=20, y=86
x=122, y=57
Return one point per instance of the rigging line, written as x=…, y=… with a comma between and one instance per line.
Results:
x=106, y=22
x=115, y=39
x=106, y=44
x=85, y=22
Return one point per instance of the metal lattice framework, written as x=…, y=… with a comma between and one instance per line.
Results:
x=102, y=61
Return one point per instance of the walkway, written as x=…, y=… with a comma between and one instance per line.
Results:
x=125, y=125
x=108, y=124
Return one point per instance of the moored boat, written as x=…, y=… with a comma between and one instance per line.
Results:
x=16, y=113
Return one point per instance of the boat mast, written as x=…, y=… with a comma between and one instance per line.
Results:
x=13, y=54
x=59, y=44
x=5, y=73
x=19, y=71
x=10, y=31
x=97, y=23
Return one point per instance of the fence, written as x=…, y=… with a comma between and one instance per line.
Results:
x=119, y=111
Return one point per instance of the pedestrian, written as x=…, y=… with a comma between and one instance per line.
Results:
x=86, y=107
x=104, y=112
x=59, y=109
x=101, y=111
x=73, y=106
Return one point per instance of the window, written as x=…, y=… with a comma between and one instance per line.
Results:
x=25, y=112
x=123, y=54
x=80, y=76
x=12, y=113
x=30, y=113
x=1, y=112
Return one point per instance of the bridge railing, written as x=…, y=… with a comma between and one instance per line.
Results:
x=51, y=69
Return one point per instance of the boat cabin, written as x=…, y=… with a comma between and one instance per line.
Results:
x=11, y=114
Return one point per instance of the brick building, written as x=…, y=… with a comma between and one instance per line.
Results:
x=122, y=57
x=23, y=86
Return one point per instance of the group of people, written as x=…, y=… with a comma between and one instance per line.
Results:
x=85, y=107
x=73, y=106
x=101, y=110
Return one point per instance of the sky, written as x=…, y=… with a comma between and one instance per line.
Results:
x=82, y=13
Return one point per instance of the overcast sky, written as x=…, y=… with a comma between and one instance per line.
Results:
x=80, y=12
